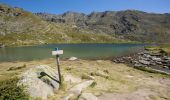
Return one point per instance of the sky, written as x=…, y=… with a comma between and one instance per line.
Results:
x=88, y=6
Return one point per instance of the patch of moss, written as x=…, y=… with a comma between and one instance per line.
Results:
x=163, y=49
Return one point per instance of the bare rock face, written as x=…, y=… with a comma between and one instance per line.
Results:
x=87, y=96
x=78, y=88
x=40, y=81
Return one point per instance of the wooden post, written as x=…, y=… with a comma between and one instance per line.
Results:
x=57, y=53
x=58, y=67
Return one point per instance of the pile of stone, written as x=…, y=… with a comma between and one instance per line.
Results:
x=149, y=59
x=145, y=59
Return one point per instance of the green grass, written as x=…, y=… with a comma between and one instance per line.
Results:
x=163, y=49
x=10, y=91
x=58, y=33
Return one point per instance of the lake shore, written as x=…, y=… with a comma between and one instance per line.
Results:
x=123, y=80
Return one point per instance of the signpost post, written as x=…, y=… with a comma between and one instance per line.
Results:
x=57, y=53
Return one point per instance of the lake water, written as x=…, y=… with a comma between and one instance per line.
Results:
x=78, y=50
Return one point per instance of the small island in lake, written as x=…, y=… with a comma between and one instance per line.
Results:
x=55, y=50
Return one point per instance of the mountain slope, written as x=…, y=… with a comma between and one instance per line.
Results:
x=129, y=24
x=19, y=27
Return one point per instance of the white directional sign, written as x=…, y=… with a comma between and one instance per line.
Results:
x=57, y=52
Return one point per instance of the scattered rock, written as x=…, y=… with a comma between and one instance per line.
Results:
x=99, y=61
x=144, y=62
x=156, y=59
x=78, y=88
x=71, y=79
x=73, y=58
x=166, y=58
x=2, y=45
x=129, y=76
x=87, y=96
x=160, y=63
x=102, y=74
x=147, y=55
x=86, y=76
x=138, y=65
x=146, y=59
x=40, y=81
x=165, y=67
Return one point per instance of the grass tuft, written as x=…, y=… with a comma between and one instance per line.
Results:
x=10, y=91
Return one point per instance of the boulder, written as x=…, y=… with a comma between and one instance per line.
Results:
x=144, y=62
x=167, y=58
x=144, y=58
x=138, y=65
x=102, y=74
x=77, y=89
x=87, y=96
x=86, y=76
x=40, y=81
x=2, y=45
x=129, y=76
x=147, y=55
x=73, y=58
x=156, y=59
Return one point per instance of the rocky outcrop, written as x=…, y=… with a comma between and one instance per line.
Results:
x=40, y=81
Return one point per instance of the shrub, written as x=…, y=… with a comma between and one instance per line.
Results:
x=10, y=91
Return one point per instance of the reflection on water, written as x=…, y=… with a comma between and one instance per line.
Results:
x=77, y=50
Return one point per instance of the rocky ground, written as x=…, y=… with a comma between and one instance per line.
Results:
x=156, y=61
x=93, y=80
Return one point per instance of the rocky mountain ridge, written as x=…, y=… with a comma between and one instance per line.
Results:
x=129, y=24
x=20, y=27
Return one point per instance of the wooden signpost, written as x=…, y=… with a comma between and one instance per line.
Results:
x=57, y=53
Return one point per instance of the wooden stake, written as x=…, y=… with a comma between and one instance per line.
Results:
x=57, y=53
x=58, y=67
